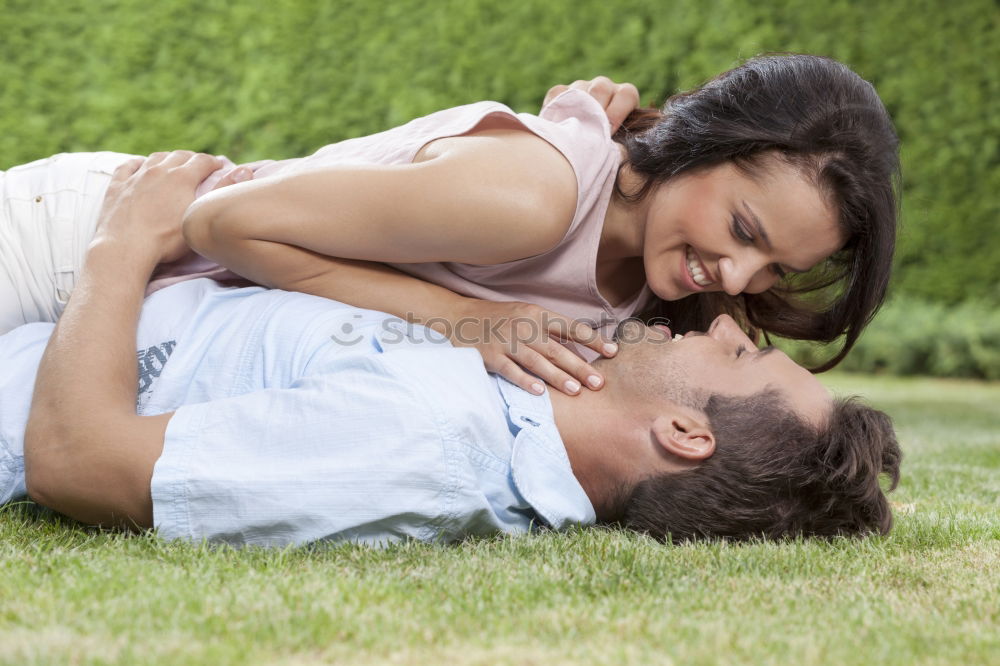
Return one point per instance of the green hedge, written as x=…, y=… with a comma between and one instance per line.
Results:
x=911, y=336
x=282, y=78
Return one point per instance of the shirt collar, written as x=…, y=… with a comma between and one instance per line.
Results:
x=539, y=465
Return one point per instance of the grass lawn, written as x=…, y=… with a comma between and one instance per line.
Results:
x=927, y=594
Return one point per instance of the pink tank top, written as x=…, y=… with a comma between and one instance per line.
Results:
x=563, y=279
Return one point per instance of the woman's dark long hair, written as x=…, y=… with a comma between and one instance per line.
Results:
x=822, y=118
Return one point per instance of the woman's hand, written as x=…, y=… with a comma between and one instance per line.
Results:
x=618, y=99
x=516, y=339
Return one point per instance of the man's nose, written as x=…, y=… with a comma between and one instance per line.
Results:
x=726, y=330
x=744, y=274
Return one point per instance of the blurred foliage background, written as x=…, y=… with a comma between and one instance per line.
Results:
x=282, y=78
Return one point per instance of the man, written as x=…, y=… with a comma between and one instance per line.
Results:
x=270, y=417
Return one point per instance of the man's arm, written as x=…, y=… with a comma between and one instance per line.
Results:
x=87, y=453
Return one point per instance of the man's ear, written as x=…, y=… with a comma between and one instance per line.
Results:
x=684, y=435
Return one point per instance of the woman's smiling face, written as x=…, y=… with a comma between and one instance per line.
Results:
x=720, y=229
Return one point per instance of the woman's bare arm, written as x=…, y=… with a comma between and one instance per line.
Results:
x=483, y=199
x=512, y=337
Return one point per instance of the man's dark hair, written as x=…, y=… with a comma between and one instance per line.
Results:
x=774, y=475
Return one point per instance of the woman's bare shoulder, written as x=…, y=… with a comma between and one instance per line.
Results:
x=540, y=182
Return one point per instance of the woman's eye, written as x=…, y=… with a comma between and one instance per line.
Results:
x=740, y=350
x=740, y=231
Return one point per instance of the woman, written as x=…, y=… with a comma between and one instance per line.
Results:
x=470, y=219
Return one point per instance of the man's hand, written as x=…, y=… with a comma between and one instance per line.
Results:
x=618, y=99
x=146, y=201
x=87, y=453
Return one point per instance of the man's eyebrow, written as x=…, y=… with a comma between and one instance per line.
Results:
x=763, y=351
x=759, y=227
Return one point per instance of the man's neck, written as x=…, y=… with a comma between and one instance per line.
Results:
x=599, y=441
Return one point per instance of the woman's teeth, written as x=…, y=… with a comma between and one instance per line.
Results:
x=694, y=266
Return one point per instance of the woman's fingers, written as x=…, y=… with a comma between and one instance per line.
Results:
x=563, y=365
x=535, y=346
x=541, y=367
x=515, y=374
x=565, y=328
x=531, y=367
x=524, y=345
x=563, y=369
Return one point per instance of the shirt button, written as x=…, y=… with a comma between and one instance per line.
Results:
x=530, y=422
x=38, y=199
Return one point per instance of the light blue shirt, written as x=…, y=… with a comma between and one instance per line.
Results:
x=298, y=419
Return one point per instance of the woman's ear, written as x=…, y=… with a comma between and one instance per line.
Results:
x=684, y=435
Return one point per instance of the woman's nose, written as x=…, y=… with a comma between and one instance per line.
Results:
x=744, y=275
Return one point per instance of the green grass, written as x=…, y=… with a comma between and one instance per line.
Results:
x=926, y=594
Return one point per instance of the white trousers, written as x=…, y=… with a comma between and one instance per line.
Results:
x=48, y=214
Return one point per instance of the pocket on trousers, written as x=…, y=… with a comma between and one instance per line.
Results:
x=56, y=188
x=56, y=202
x=81, y=181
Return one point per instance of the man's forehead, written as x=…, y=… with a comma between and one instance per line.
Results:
x=803, y=391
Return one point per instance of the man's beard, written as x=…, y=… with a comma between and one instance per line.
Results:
x=653, y=369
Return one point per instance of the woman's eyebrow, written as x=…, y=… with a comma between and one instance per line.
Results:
x=758, y=226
